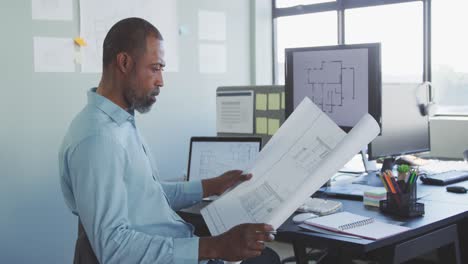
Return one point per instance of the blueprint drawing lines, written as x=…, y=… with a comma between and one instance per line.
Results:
x=328, y=83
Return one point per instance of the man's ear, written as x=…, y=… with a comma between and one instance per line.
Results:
x=124, y=62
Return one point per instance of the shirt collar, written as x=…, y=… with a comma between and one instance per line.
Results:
x=114, y=111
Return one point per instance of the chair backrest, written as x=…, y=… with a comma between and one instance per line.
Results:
x=84, y=253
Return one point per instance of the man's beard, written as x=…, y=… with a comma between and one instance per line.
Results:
x=141, y=104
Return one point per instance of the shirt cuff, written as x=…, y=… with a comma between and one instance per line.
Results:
x=193, y=191
x=186, y=250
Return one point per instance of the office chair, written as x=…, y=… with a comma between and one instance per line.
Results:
x=269, y=256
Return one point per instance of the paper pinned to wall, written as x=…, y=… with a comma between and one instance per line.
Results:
x=234, y=112
x=97, y=17
x=212, y=58
x=52, y=9
x=78, y=57
x=211, y=25
x=53, y=54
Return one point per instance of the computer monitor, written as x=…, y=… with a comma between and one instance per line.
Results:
x=344, y=81
x=211, y=156
x=404, y=129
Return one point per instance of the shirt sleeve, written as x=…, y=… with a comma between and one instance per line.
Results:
x=97, y=167
x=183, y=194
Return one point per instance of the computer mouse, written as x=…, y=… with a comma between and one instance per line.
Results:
x=456, y=189
x=300, y=218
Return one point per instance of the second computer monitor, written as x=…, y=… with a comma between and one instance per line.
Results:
x=211, y=156
x=344, y=81
x=404, y=129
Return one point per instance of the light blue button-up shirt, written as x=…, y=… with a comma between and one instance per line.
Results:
x=110, y=181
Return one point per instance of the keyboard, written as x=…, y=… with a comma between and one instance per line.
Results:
x=320, y=206
x=445, y=178
x=438, y=166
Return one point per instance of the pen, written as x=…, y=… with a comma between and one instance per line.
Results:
x=389, y=182
x=388, y=176
x=389, y=173
x=408, y=181
x=384, y=183
x=408, y=176
x=395, y=185
x=402, y=186
x=413, y=178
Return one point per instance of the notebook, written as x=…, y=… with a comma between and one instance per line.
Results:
x=355, y=225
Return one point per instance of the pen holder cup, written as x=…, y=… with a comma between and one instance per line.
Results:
x=402, y=204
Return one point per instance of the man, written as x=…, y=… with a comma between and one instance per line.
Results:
x=126, y=214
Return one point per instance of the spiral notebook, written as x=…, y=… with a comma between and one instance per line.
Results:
x=356, y=225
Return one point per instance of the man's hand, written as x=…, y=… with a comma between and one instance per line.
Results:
x=240, y=242
x=218, y=185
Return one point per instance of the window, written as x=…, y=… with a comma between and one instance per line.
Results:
x=399, y=25
x=289, y=3
x=450, y=56
x=401, y=39
x=316, y=29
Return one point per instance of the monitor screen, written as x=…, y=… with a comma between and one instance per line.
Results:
x=212, y=156
x=404, y=129
x=344, y=81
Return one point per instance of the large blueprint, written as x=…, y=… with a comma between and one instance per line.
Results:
x=303, y=154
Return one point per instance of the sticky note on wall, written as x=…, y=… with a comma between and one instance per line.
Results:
x=273, y=125
x=283, y=101
x=261, y=125
x=274, y=101
x=80, y=41
x=261, y=101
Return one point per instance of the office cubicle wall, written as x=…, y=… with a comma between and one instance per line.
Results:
x=268, y=110
x=35, y=225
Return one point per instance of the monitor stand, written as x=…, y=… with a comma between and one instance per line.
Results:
x=371, y=176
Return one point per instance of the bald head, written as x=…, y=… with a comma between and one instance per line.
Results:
x=128, y=35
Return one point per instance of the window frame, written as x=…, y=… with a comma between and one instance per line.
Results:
x=340, y=6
